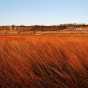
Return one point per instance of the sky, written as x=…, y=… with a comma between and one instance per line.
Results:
x=43, y=12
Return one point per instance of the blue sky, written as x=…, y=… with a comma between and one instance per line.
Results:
x=43, y=12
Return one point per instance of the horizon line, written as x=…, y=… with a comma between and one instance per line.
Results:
x=74, y=23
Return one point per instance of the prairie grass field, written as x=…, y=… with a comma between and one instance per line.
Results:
x=44, y=60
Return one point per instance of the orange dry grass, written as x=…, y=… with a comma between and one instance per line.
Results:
x=43, y=61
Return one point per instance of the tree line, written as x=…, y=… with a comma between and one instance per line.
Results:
x=60, y=27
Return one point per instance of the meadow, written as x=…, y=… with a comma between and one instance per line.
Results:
x=44, y=61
